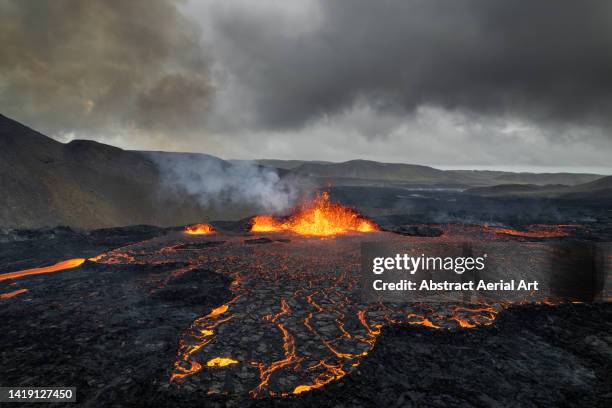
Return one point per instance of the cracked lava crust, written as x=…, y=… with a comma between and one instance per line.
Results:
x=296, y=320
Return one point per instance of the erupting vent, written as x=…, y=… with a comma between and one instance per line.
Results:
x=319, y=217
x=199, y=229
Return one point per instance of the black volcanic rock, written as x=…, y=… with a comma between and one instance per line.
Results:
x=113, y=332
x=200, y=245
x=531, y=356
x=418, y=231
x=255, y=241
x=23, y=249
x=599, y=189
x=512, y=189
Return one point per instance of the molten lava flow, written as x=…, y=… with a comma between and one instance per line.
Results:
x=296, y=321
x=221, y=362
x=319, y=218
x=12, y=294
x=266, y=223
x=218, y=311
x=186, y=365
x=199, y=229
x=60, y=266
x=536, y=231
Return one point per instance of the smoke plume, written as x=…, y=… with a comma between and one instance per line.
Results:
x=217, y=183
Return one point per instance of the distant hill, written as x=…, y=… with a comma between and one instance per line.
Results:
x=603, y=183
x=600, y=189
x=541, y=179
x=286, y=164
x=357, y=171
x=548, y=178
x=366, y=172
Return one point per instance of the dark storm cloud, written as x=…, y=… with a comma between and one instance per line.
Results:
x=435, y=82
x=96, y=66
x=545, y=61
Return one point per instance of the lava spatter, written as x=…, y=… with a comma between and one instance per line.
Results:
x=199, y=229
x=317, y=218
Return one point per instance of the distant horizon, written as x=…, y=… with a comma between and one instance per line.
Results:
x=504, y=168
x=603, y=171
x=598, y=170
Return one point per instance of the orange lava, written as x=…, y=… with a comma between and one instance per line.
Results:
x=536, y=231
x=221, y=362
x=199, y=229
x=12, y=294
x=218, y=311
x=186, y=366
x=317, y=218
x=60, y=266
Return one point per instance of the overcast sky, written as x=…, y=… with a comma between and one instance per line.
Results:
x=456, y=84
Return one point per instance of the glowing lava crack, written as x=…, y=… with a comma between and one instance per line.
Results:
x=296, y=320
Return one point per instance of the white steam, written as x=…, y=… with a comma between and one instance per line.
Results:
x=219, y=184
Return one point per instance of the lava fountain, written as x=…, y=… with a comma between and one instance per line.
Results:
x=199, y=229
x=319, y=217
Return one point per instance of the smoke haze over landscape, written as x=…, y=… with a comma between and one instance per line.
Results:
x=216, y=183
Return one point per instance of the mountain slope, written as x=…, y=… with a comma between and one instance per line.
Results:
x=286, y=164
x=381, y=172
x=600, y=189
x=603, y=183
x=82, y=184
x=363, y=172
x=541, y=179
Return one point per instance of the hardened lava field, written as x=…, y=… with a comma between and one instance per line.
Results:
x=233, y=315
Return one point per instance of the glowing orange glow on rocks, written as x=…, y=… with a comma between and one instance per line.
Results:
x=536, y=231
x=60, y=266
x=12, y=294
x=217, y=311
x=302, y=388
x=266, y=223
x=221, y=362
x=296, y=322
x=199, y=229
x=318, y=218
